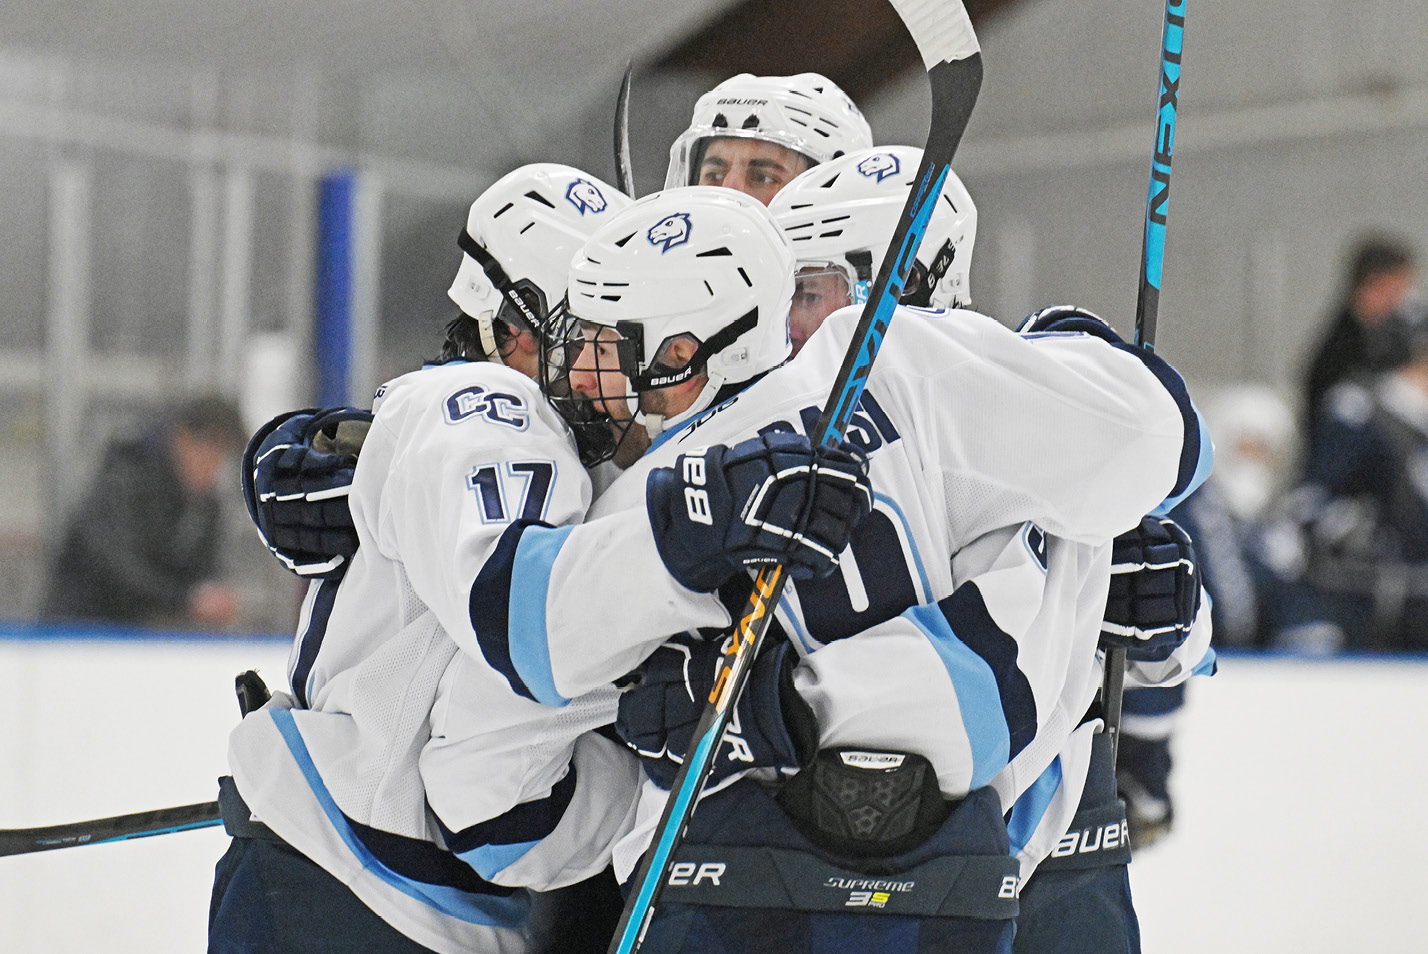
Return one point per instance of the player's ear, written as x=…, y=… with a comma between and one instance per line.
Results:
x=678, y=352
x=522, y=341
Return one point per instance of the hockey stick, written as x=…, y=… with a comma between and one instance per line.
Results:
x=624, y=172
x=160, y=821
x=944, y=36
x=252, y=695
x=1152, y=258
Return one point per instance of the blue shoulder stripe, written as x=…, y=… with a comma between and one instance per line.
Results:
x=967, y=614
x=998, y=712
x=507, y=608
x=1197, y=454
x=497, y=843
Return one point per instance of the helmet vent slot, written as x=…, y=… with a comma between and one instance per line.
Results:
x=830, y=182
x=745, y=276
x=621, y=243
x=503, y=210
x=540, y=198
x=715, y=252
x=709, y=289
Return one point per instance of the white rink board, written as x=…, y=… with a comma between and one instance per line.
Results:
x=1300, y=826
x=1300, y=818
x=91, y=729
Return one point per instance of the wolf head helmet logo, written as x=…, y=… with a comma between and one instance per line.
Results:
x=585, y=196
x=880, y=165
x=670, y=231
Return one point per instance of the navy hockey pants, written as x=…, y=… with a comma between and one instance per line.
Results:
x=268, y=898
x=1083, y=909
x=770, y=889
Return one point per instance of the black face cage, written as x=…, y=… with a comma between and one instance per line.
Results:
x=597, y=435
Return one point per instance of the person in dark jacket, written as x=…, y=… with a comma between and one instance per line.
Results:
x=1368, y=334
x=141, y=548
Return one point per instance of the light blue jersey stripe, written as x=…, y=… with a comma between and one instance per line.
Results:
x=1207, y=665
x=977, y=694
x=1030, y=809
x=1203, y=466
x=490, y=910
x=490, y=860
x=530, y=587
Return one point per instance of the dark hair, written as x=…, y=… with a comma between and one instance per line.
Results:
x=1376, y=255
x=463, y=340
x=212, y=418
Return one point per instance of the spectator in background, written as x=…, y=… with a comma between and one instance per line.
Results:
x=141, y=548
x=1253, y=430
x=1366, y=335
x=1362, y=509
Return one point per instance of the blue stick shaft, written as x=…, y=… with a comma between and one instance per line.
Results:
x=1157, y=206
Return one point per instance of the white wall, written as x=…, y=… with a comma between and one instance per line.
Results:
x=91, y=729
x=1299, y=791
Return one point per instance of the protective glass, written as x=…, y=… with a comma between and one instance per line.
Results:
x=691, y=149
x=820, y=289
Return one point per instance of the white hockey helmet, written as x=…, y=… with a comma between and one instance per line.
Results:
x=519, y=238
x=840, y=216
x=699, y=262
x=808, y=113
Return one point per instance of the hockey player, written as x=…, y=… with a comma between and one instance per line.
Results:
x=973, y=504
x=369, y=809
x=755, y=133
x=839, y=218
x=407, y=775
x=681, y=262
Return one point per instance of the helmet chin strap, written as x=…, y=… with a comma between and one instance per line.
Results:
x=657, y=424
x=486, y=325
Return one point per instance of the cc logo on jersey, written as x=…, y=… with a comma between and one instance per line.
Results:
x=498, y=407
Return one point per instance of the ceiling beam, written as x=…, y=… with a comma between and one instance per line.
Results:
x=859, y=44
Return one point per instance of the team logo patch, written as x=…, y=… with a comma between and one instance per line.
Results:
x=879, y=166
x=671, y=231
x=585, y=196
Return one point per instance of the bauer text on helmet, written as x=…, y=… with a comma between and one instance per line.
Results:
x=754, y=133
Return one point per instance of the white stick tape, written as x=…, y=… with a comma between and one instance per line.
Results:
x=941, y=29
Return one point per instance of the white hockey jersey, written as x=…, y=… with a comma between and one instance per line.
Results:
x=402, y=763
x=1002, y=468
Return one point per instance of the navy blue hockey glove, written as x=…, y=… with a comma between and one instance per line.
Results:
x=1155, y=591
x=771, y=726
x=297, y=471
x=1065, y=319
x=771, y=499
